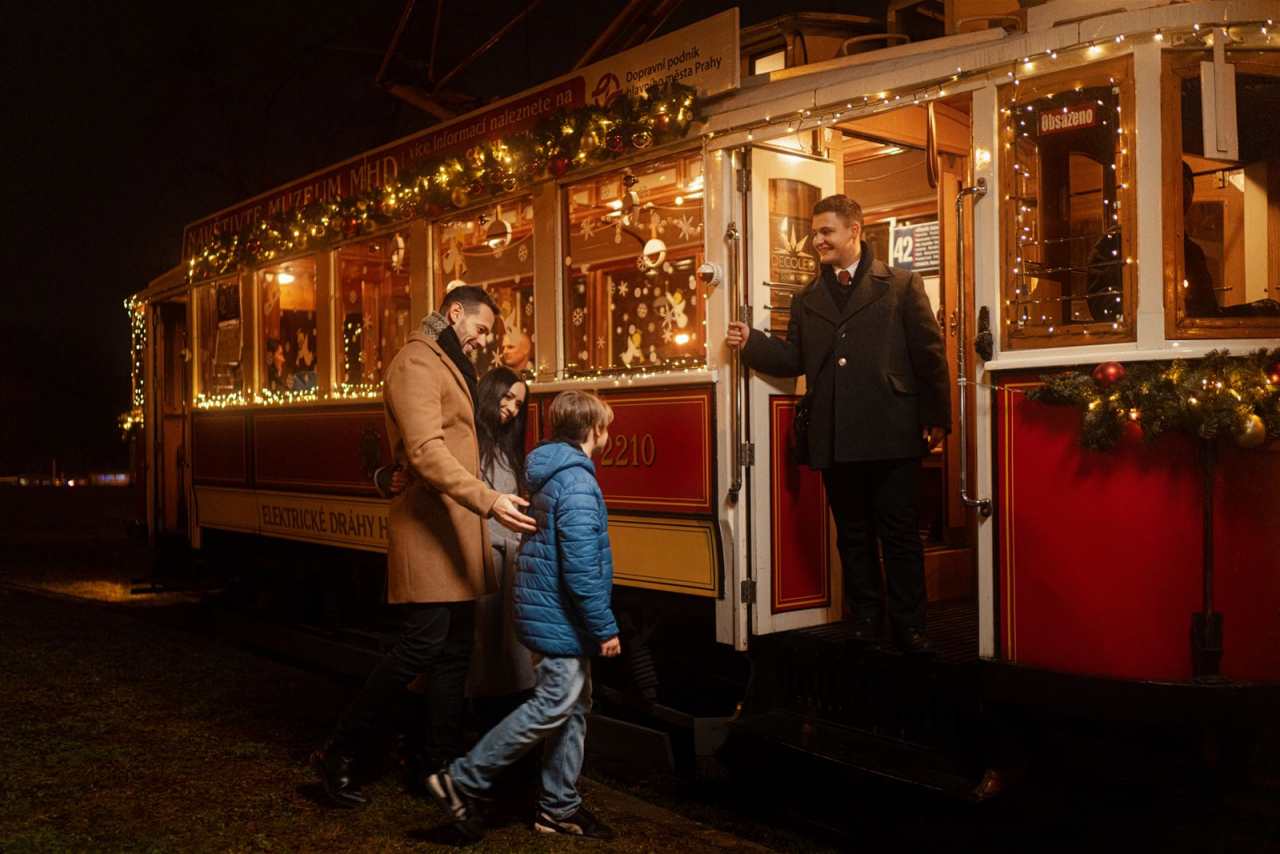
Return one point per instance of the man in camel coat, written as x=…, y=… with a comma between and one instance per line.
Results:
x=439, y=561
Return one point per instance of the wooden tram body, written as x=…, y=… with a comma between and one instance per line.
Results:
x=1088, y=567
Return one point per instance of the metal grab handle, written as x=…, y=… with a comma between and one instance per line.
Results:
x=983, y=504
x=734, y=238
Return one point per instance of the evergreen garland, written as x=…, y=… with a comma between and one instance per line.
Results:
x=556, y=144
x=1215, y=397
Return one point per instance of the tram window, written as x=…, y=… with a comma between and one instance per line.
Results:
x=372, y=321
x=1069, y=216
x=493, y=247
x=1221, y=235
x=634, y=239
x=287, y=295
x=219, y=340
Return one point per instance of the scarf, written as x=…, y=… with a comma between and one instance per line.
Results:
x=437, y=328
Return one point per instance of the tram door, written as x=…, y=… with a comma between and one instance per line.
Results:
x=793, y=561
x=171, y=370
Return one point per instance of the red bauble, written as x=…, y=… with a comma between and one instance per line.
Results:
x=351, y=226
x=476, y=187
x=660, y=121
x=614, y=142
x=1108, y=373
x=431, y=210
x=494, y=176
x=558, y=165
x=534, y=168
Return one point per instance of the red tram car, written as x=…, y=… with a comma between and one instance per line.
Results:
x=1002, y=160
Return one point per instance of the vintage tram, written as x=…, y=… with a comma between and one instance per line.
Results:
x=1002, y=160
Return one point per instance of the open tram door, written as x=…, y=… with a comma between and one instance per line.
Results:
x=168, y=385
x=793, y=569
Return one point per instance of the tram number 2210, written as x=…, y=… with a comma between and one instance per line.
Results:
x=630, y=450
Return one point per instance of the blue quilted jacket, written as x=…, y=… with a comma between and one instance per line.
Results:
x=565, y=578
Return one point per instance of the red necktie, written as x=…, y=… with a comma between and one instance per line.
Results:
x=843, y=277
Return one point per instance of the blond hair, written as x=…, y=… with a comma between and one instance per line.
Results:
x=574, y=413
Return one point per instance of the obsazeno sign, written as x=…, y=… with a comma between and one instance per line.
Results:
x=1068, y=118
x=704, y=56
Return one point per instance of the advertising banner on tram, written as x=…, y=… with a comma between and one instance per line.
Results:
x=704, y=56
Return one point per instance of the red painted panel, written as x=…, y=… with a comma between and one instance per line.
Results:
x=659, y=456
x=218, y=452
x=798, y=519
x=1100, y=552
x=317, y=450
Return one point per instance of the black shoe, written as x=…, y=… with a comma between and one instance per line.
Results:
x=463, y=811
x=580, y=823
x=333, y=765
x=914, y=642
x=865, y=630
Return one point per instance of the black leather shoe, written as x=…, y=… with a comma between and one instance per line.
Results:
x=333, y=766
x=914, y=642
x=865, y=630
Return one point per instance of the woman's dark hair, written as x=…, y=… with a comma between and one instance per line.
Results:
x=497, y=439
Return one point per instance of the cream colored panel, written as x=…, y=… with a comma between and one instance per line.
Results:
x=678, y=555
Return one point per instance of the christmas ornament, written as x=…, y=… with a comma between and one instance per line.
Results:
x=1107, y=373
x=476, y=187
x=661, y=121
x=1253, y=434
x=459, y=197
x=351, y=226
x=431, y=210
x=642, y=139
x=558, y=166
x=509, y=183
x=494, y=177
x=588, y=142
x=614, y=142
x=534, y=168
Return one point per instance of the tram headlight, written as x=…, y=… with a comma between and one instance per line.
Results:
x=711, y=274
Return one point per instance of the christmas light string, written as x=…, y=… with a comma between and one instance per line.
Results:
x=550, y=149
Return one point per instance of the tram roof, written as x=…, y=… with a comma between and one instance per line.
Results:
x=954, y=63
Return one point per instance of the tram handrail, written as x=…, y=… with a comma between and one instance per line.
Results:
x=983, y=504
x=734, y=238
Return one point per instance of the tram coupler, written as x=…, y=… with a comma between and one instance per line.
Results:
x=1206, y=646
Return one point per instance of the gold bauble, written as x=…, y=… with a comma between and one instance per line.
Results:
x=1253, y=434
x=589, y=142
x=459, y=197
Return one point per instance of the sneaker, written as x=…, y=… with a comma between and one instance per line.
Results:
x=463, y=811
x=580, y=823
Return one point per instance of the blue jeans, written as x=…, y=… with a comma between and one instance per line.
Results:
x=556, y=714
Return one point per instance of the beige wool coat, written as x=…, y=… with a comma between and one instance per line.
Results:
x=438, y=547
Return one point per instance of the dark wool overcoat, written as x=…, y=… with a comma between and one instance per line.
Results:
x=885, y=376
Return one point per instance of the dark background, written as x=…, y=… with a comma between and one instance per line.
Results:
x=125, y=120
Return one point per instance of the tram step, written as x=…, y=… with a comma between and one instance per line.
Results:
x=932, y=702
x=869, y=754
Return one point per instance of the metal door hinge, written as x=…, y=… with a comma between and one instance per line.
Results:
x=744, y=180
x=747, y=454
x=748, y=592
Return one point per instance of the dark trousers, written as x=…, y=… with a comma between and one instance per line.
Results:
x=436, y=639
x=880, y=498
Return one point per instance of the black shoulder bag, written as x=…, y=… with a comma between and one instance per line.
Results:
x=804, y=410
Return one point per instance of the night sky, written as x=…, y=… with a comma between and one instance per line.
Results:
x=125, y=120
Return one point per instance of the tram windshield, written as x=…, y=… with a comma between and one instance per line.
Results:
x=1227, y=267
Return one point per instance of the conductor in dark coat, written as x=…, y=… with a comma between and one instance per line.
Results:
x=864, y=337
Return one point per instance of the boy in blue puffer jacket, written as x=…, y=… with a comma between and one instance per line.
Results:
x=562, y=591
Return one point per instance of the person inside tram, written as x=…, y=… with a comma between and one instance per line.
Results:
x=501, y=675
x=1198, y=296
x=276, y=380
x=866, y=340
